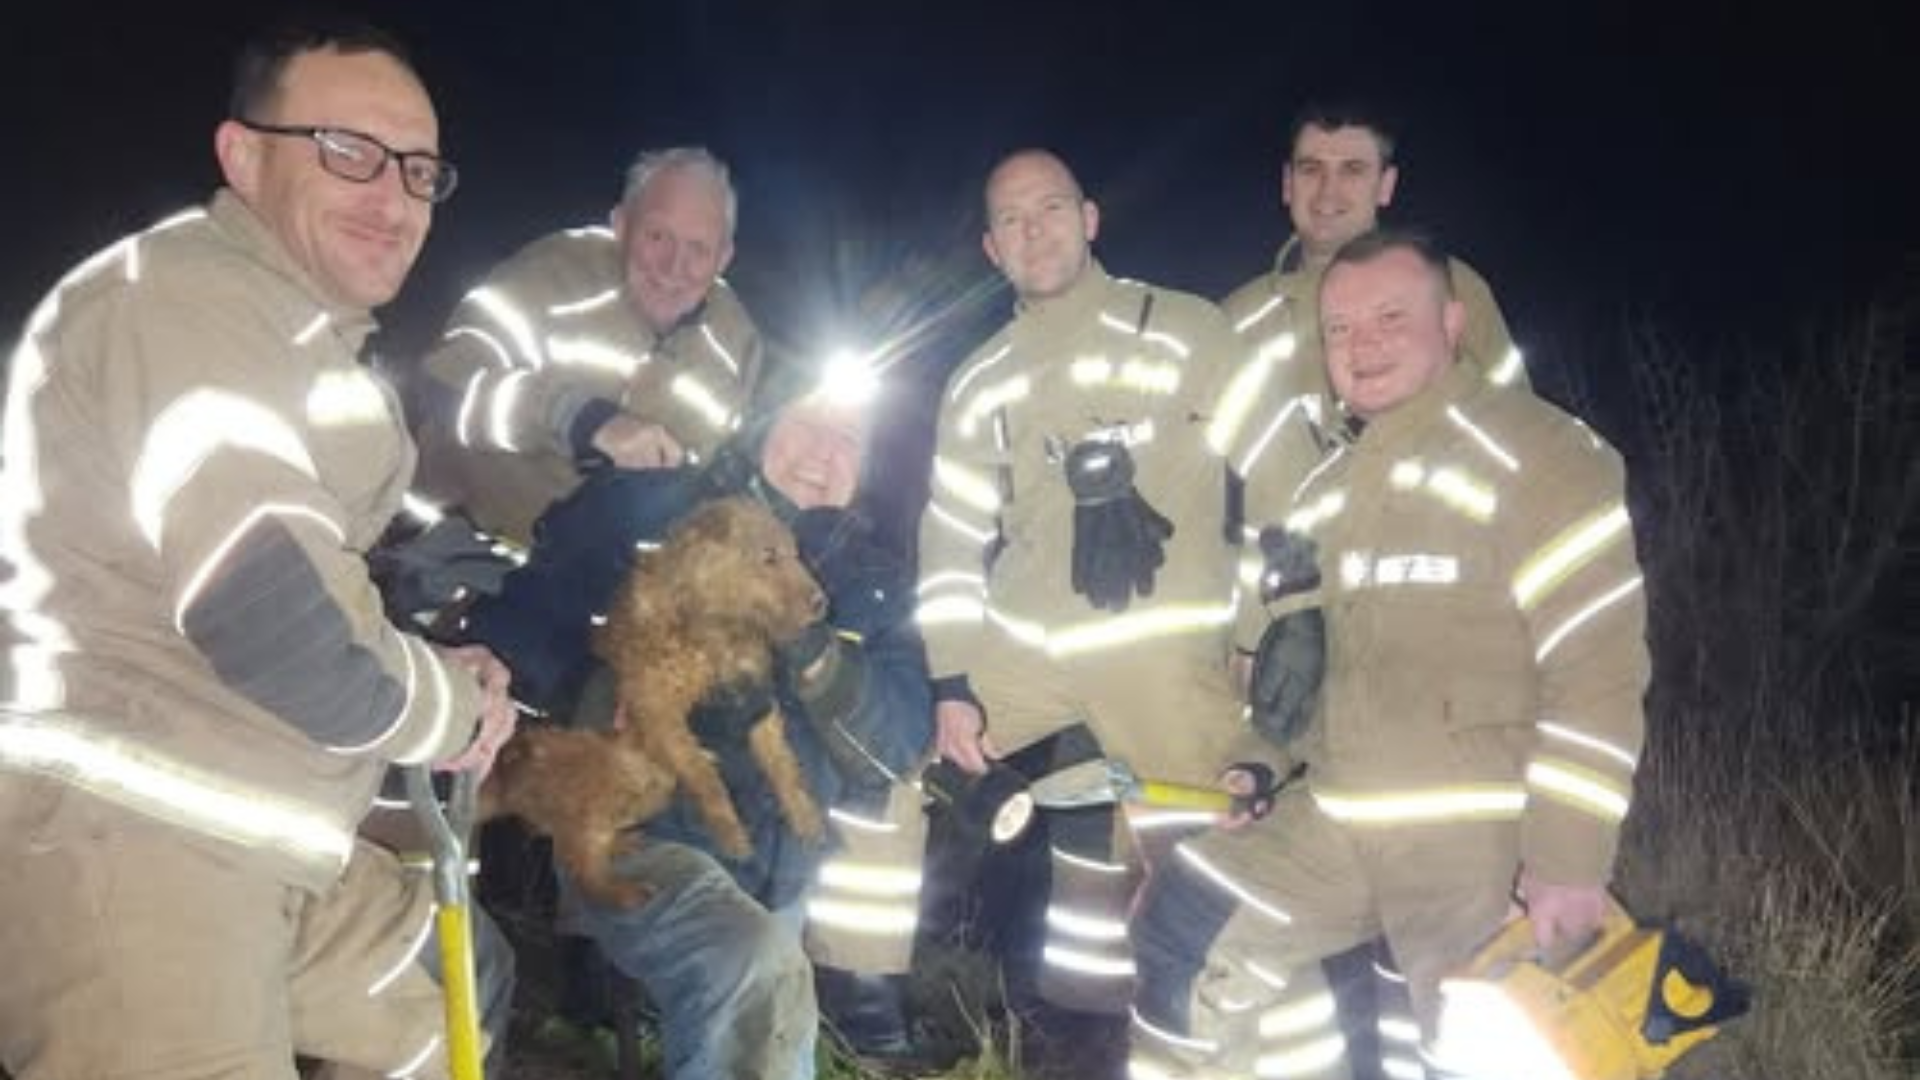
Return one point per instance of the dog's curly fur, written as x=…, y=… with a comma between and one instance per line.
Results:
x=701, y=612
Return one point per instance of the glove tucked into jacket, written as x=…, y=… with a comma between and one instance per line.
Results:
x=1118, y=538
x=1291, y=659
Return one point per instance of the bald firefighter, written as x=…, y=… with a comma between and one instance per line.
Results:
x=1477, y=730
x=1076, y=591
x=620, y=346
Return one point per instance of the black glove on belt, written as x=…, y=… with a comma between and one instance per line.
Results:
x=1118, y=538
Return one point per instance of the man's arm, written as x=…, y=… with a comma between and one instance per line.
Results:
x=263, y=580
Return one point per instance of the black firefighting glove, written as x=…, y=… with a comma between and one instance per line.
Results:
x=1118, y=538
x=1291, y=659
x=723, y=718
x=827, y=671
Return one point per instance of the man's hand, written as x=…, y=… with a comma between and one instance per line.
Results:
x=1562, y=915
x=632, y=443
x=960, y=735
x=497, y=714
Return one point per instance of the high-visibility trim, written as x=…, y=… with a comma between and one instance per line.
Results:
x=1573, y=548
x=1297, y=1017
x=345, y=398
x=971, y=583
x=701, y=398
x=1399, y=1029
x=966, y=378
x=1088, y=964
x=1087, y=927
x=1315, y=1058
x=948, y=611
x=1223, y=881
x=1167, y=620
x=1486, y=441
x=842, y=816
x=1589, y=742
x=580, y=307
x=512, y=320
x=887, y=920
x=1168, y=1038
x=421, y=509
x=1605, y=600
x=872, y=879
x=993, y=397
x=1467, y=802
x=161, y=787
x=492, y=343
x=588, y=352
x=719, y=350
x=409, y=957
x=1082, y=862
x=1271, y=978
x=412, y=1066
x=1579, y=788
x=966, y=529
x=1146, y=1070
x=502, y=405
x=434, y=670
x=1242, y=392
x=196, y=579
x=1143, y=819
x=1395, y=1067
x=1310, y=517
x=968, y=485
x=312, y=330
x=1388, y=975
x=192, y=429
x=1511, y=366
x=1247, y=321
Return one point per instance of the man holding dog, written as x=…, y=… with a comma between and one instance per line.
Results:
x=202, y=693
x=718, y=944
x=1076, y=589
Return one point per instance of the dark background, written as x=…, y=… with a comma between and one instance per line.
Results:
x=1724, y=173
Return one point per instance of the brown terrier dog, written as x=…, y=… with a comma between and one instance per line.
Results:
x=701, y=612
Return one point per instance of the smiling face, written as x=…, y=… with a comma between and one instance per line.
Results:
x=1389, y=327
x=676, y=239
x=356, y=241
x=1334, y=186
x=814, y=453
x=1039, y=225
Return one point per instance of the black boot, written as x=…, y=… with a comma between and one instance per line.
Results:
x=868, y=1015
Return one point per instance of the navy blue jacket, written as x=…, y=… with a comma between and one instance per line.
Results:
x=539, y=624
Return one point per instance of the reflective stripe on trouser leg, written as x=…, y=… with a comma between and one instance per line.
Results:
x=864, y=908
x=1207, y=1011
x=1399, y=1030
x=1087, y=961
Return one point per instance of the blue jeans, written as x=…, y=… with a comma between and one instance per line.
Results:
x=734, y=988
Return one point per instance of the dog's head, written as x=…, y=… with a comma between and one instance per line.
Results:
x=733, y=559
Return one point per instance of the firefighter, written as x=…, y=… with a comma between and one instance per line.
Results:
x=202, y=693
x=618, y=345
x=1075, y=589
x=716, y=945
x=1476, y=732
x=1339, y=174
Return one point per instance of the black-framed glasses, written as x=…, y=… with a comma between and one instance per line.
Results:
x=361, y=158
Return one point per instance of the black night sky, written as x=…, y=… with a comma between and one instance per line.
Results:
x=1722, y=171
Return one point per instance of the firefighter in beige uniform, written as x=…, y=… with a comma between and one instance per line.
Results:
x=1340, y=172
x=620, y=345
x=201, y=692
x=1481, y=712
x=1088, y=363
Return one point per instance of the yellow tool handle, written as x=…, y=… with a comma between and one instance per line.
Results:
x=463, y=1009
x=1180, y=796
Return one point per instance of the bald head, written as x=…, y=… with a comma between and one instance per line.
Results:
x=1040, y=225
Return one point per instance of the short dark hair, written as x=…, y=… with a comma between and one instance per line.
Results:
x=1371, y=245
x=1334, y=114
x=263, y=60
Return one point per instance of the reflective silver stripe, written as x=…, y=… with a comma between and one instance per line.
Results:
x=1573, y=548
x=1494, y=802
x=160, y=787
x=1559, y=634
x=1580, y=788
x=194, y=428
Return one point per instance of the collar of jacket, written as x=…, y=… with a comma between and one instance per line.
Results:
x=1291, y=259
x=234, y=218
x=1071, y=309
x=1404, y=423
